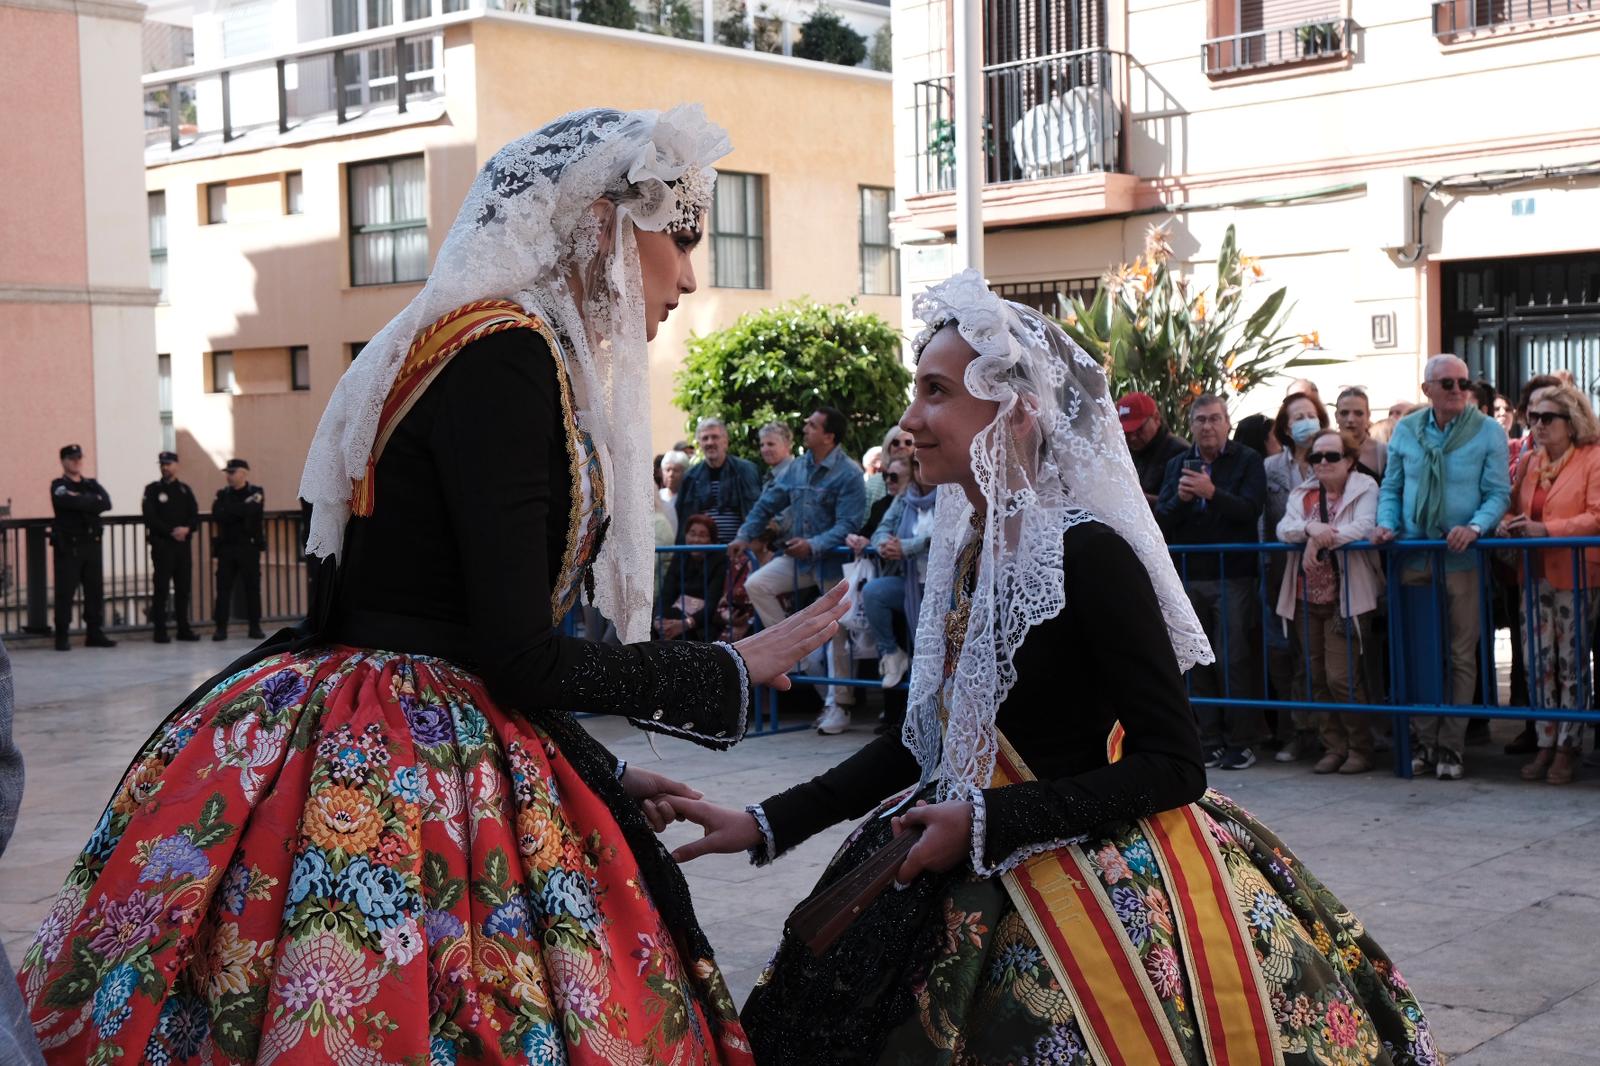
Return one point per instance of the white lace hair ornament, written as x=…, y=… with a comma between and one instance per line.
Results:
x=1067, y=463
x=524, y=233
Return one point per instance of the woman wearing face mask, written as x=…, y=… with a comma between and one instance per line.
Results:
x=1327, y=597
x=1300, y=419
x=388, y=839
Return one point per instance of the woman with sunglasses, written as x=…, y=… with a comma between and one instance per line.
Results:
x=1557, y=494
x=1336, y=592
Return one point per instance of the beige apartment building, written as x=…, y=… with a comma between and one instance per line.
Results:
x=303, y=167
x=77, y=311
x=1424, y=175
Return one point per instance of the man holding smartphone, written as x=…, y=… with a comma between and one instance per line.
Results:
x=1213, y=493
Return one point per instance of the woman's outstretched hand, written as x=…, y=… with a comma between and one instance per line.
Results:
x=728, y=830
x=656, y=794
x=770, y=654
x=946, y=838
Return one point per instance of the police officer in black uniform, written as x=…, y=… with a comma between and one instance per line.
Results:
x=171, y=516
x=241, y=536
x=78, y=502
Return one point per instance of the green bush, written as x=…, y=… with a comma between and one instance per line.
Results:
x=882, y=55
x=826, y=38
x=618, y=14
x=780, y=364
x=731, y=29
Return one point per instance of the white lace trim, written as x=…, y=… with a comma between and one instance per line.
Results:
x=766, y=851
x=744, y=687
x=980, y=844
x=622, y=768
x=525, y=232
x=1068, y=463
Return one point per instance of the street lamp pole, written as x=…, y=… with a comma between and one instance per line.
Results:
x=968, y=80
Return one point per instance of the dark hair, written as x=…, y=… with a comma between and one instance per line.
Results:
x=1531, y=386
x=1483, y=394
x=701, y=520
x=1280, y=425
x=1252, y=432
x=657, y=465
x=833, y=423
x=1207, y=399
x=1356, y=391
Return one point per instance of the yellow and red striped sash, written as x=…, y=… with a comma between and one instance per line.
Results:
x=1067, y=908
x=428, y=355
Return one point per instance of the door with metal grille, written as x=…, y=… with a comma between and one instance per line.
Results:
x=1512, y=319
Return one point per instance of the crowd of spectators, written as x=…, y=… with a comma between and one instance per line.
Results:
x=1298, y=627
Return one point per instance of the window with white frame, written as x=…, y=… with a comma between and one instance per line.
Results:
x=880, y=259
x=388, y=221
x=738, y=225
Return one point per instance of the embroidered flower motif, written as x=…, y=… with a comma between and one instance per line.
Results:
x=111, y=1008
x=527, y=983
x=378, y=892
x=1131, y=912
x=430, y=723
x=324, y=971
x=1163, y=969
x=311, y=876
x=342, y=818
x=543, y=1046
x=1267, y=910
x=185, y=1021
x=140, y=788
x=1108, y=860
x=509, y=919
x=401, y=943
x=567, y=892
x=223, y=961
x=175, y=856
x=283, y=689
x=127, y=924
x=1340, y=1025
x=538, y=839
x=441, y=925
x=409, y=783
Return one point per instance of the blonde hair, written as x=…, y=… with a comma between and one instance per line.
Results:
x=1580, y=416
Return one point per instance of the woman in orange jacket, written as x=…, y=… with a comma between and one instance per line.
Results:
x=1558, y=495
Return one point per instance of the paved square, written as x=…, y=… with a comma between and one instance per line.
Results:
x=1486, y=891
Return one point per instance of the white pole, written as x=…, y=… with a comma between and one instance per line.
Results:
x=969, y=134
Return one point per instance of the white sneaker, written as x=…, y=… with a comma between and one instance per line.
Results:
x=893, y=667
x=835, y=720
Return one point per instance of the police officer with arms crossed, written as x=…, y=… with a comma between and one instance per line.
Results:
x=241, y=537
x=78, y=502
x=171, y=515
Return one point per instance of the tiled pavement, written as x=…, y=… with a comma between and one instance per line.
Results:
x=1485, y=891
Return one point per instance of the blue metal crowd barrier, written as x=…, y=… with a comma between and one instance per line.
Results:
x=1413, y=570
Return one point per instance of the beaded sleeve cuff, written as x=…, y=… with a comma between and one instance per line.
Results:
x=724, y=737
x=980, y=843
x=764, y=852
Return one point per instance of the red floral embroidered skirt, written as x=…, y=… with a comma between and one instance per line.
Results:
x=355, y=857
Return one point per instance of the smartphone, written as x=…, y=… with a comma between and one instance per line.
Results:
x=1197, y=465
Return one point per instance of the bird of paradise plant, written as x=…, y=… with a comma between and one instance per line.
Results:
x=1156, y=331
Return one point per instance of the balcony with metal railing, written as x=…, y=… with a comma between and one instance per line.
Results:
x=1052, y=139
x=1454, y=19
x=1277, y=46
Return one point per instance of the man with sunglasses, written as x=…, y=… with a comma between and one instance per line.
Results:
x=1446, y=480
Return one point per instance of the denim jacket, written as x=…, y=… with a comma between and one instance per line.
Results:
x=827, y=501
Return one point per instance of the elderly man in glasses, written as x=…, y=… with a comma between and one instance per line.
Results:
x=1446, y=480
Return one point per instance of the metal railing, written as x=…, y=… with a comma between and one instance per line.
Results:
x=335, y=83
x=1277, y=46
x=1046, y=117
x=1453, y=18
x=1411, y=635
x=27, y=592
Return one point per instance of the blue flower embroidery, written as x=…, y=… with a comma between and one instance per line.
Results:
x=567, y=892
x=1139, y=858
x=408, y=783
x=185, y=1021
x=176, y=856
x=311, y=876
x=102, y=842
x=543, y=1046
x=283, y=689
x=1132, y=913
x=441, y=1052
x=111, y=1008
x=377, y=891
x=509, y=919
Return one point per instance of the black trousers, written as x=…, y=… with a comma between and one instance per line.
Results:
x=241, y=564
x=76, y=564
x=173, y=564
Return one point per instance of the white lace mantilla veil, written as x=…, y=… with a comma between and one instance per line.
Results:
x=525, y=228
x=1073, y=467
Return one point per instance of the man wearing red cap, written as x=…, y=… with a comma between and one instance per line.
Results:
x=1153, y=446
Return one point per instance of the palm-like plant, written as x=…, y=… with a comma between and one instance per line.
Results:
x=1155, y=331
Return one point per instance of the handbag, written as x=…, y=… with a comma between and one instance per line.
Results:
x=857, y=572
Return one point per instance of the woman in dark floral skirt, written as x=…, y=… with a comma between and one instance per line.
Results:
x=1076, y=897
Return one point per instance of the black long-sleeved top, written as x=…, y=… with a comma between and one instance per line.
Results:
x=167, y=505
x=240, y=517
x=1105, y=658
x=78, y=506
x=472, y=503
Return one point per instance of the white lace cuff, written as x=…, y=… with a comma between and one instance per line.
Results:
x=980, y=841
x=744, y=688
x=764, y=852
x=622, y=768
